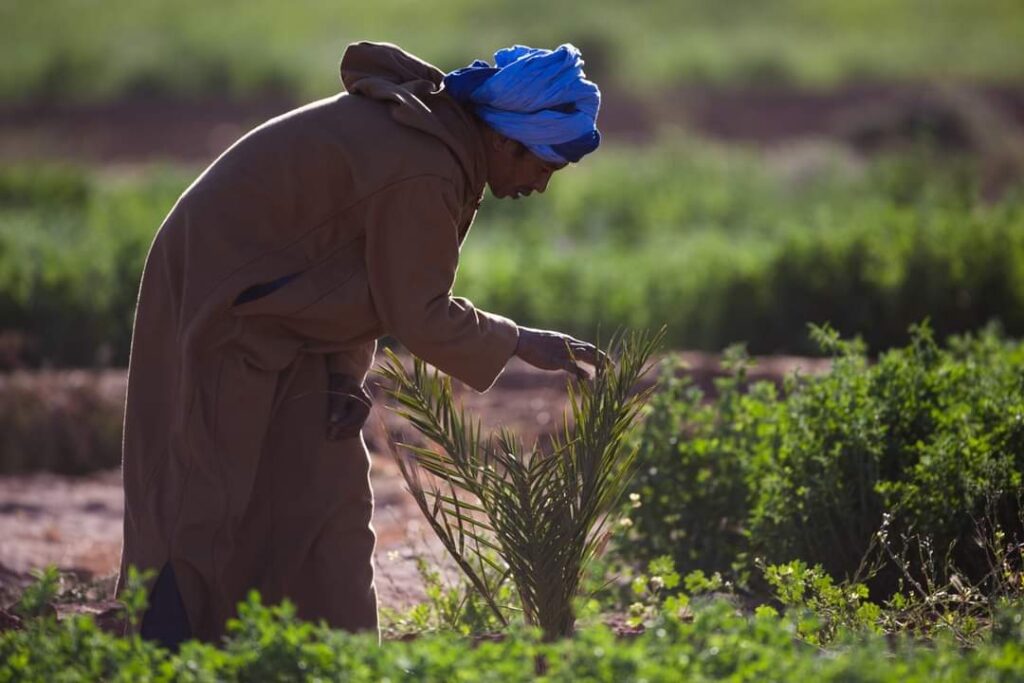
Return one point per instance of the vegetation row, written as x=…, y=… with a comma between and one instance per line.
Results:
x=712, y=642
x=722, y=246
x=66, y=52
x=860, y=525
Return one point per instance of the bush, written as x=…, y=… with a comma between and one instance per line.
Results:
x=931, y=436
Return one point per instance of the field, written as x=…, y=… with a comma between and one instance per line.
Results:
x=69, y=51
x=641, y=621
x=723, y=246
x=821, y=204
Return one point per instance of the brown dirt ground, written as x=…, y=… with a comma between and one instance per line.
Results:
x=75, y=522
x=131, y=131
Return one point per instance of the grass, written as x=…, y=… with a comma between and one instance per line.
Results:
x=69, y=51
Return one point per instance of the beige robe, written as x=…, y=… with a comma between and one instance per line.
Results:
x=228, y=472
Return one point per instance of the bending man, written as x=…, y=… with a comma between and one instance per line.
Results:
x=263, y=296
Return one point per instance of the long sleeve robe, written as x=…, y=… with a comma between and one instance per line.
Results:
x=358, y=204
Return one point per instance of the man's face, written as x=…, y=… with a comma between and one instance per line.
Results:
x=513, y=170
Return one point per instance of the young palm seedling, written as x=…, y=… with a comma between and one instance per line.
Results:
x=530, y=515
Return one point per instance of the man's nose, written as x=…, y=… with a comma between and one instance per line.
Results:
x=542, y=183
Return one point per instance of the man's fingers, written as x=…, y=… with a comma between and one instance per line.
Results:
x=588, y=353
x=570, y=363
x=576, y=371
x=556, y=351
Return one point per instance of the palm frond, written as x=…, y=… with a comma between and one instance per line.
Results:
x=542, y=513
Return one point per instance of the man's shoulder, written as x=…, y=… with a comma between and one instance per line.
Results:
x=367, y=132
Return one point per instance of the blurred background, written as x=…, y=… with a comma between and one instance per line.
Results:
x=767, y=165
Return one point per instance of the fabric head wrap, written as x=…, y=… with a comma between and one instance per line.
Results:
x=537, y=97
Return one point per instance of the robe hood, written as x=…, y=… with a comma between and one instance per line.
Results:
x=415, y=89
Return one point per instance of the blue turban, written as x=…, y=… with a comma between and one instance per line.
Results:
x=538, y=97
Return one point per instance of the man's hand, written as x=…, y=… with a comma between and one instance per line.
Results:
x=348, y=406
x=549, y=350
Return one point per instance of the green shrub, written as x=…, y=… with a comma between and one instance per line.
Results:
x=454, y=606
x=35, y=600
x=931, y=436
x=824, y=609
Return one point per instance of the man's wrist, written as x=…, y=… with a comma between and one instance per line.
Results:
x=521, y=333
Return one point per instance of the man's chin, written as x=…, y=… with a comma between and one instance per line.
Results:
x=507, y=194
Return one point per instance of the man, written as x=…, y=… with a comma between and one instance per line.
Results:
x=262, y=298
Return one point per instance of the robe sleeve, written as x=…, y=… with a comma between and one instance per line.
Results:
x=412, y=255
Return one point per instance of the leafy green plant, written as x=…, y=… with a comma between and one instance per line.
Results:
x=540, y=512
x=649, y=590
x=450, y=606
x=928, y=434
x=135, y=596
x=37, y=599
x=934, y=598
x=74, y=647
x=825, y=609
x=713, y=642
x=694, y=461
x=644, y=594
x=937, y=596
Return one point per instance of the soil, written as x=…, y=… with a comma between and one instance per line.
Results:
x=142, y=130
x=75, y=522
